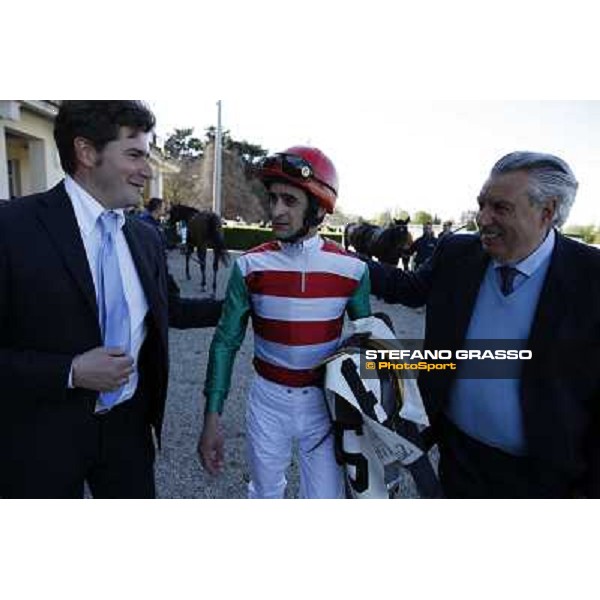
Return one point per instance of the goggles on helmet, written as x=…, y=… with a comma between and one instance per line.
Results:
x=292, y=165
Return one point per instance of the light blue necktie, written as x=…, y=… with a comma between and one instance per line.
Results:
x=112, y=305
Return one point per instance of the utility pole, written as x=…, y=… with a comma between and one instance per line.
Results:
x=217, y=165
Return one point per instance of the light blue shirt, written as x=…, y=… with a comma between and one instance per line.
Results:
x=529, y=265
x=489, y=410
x=87, y=211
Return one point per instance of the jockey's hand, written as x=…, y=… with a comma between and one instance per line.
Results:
x=211, y=443
x=101, y=369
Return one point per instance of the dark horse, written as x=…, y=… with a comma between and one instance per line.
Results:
x=388, y=244
x=203, y=231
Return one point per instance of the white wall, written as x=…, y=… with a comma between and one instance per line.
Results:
x=40, y=168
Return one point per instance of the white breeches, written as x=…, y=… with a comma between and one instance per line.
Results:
x=276, y=416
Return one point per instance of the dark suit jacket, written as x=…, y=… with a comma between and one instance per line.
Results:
x=48, y=314
x=561, y=411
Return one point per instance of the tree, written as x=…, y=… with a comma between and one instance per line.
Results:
x=587, y=233
x=186, y=150
x=182, y=145
x=400, y=214
x=421, y=217
x=248, y=152
x=340, y=218
x=468, y=218
x=382, y=219
x=188, y=186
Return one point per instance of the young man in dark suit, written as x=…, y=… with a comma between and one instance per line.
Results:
x=84, y=316
x=536, y=431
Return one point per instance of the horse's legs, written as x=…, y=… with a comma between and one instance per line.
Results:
x=201, y=252
x=188, y=253
x=215, y=271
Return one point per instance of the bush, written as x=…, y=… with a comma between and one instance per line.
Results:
x=244, y=238
x=586, y=233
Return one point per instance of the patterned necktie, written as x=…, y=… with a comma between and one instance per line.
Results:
x=507, y=276
x=112, y=305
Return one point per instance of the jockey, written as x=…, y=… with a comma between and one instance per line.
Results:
x=296, y=289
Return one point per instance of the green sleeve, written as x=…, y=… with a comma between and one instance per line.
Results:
x=227, y=340
x=359, y=305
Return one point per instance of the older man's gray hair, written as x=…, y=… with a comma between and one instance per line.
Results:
x=550, y=178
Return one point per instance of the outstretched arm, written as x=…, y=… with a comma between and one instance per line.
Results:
x=397, y=286
x=187, y=313
x=359, y=305
x=227, y=340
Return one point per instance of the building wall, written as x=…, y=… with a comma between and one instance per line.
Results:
x=29, y=139
x=17, y=149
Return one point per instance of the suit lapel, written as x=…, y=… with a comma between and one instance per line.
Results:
x=58, y=217
x=551, y=305
x=466, y=286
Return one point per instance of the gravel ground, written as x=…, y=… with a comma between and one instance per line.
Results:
x=179, y=474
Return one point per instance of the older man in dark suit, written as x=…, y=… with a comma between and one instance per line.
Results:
x=84, y=315
x=536, y=431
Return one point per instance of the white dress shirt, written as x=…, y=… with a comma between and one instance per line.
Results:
x=87, y=210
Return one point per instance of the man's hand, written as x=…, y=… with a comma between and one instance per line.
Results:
x=102, y=369
x=210, y=444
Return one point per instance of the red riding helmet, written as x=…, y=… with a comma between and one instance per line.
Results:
x=305, y=167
